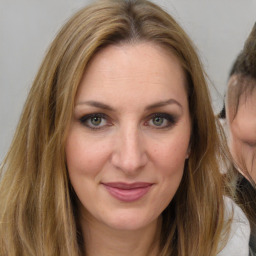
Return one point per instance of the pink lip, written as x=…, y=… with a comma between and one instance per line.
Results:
x=127, y=192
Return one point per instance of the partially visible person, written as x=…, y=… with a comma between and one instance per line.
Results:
x=117, y=150
x=240, y=114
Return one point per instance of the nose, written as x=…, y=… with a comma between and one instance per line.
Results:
x=129, y=154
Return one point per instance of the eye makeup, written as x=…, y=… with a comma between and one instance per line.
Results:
x=96, y=121
x=161, y=120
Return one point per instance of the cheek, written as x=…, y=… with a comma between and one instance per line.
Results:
x=242, y=153
x=84, y=155
x=170, y=159
x=173, y=151
x=170, y=169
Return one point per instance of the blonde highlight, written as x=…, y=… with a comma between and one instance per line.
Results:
x=37, y=208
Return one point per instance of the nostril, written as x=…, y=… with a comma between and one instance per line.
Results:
x=129, y=160
x=129, y=163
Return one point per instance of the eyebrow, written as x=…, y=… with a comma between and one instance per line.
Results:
x=95, y=104
x=107, y=107
x=163, y=103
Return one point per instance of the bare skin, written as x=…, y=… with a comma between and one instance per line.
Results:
x=242, y=130
x=127, y=146
x=144, y=242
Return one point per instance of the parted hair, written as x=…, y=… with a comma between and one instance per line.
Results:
x=244, y=69
x=38, y=214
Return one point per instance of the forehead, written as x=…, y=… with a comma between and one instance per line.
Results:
x=141, y=69
x=244, y=122
x=241, y=92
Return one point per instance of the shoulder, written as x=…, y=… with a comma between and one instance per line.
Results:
x=238, y=241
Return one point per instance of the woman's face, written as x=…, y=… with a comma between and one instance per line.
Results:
x=242, y=133
x=129, y=137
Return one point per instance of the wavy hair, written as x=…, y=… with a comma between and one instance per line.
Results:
x=37, y=204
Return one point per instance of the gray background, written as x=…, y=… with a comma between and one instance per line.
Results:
x=217, y=27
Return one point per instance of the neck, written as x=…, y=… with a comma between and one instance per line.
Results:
x=102, y=240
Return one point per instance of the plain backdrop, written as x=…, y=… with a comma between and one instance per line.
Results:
x=217, y=27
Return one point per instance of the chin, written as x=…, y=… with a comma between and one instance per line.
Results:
x=130, y=221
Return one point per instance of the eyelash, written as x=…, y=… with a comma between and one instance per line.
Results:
x=85, y=119
x=170, y=119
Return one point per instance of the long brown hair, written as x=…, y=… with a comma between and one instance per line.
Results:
x=37, y=209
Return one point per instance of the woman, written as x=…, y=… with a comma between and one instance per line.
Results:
x=241, y=127
x=117, y=151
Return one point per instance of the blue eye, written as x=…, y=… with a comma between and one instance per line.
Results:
x=94, y=121
x=161, y=120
